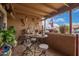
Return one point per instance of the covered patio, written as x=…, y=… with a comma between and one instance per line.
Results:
x=32, y=40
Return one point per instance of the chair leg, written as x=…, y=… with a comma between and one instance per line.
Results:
x=27, y=49
x=43, y=52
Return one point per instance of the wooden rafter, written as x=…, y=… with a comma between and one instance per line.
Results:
x=27, y=9
x=66, y=4
x=26, y=13
x=39, y=10
x=19, y=6
x=50, y=7
x=65, y=8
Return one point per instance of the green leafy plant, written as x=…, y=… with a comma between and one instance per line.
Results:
x=8, y=36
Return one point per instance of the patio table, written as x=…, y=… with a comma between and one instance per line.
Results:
x=35, y=41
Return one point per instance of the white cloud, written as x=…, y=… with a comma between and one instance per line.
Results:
x=72, y=24
x=55, y=25
x=75, y=23
x=60, y=20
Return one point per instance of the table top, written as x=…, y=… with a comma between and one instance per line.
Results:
x=36, y=36
x=43, y=46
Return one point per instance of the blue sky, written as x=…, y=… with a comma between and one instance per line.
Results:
x=63, y=18
x=75, y=15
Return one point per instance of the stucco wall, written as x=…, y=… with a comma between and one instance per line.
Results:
x=65, y=43
x=16, y=23
x=19, y=25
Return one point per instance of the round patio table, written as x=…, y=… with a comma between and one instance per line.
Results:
x=44, y=47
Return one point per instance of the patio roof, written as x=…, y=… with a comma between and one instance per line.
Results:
x=41, y=10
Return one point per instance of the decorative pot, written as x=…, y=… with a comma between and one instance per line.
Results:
x=6, y=49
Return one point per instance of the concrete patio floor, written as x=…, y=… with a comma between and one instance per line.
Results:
x=20, y=48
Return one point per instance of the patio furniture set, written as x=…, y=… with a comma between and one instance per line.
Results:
x=33, y=44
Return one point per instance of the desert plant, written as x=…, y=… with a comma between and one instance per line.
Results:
x=62, y=29
x=67, y=28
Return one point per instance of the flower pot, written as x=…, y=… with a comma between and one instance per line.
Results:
x=6, y=49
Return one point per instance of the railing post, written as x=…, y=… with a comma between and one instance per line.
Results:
x=76, y=45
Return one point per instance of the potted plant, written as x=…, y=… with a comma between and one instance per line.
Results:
x=62, y=29
x=7, y=39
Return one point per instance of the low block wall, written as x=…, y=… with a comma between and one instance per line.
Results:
x=64, y=43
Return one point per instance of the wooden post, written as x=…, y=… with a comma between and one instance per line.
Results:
x=44, y=24
x=76, y=47
x=52, y=23
x=70, y=16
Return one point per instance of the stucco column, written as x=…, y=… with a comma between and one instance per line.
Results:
x=4, y=17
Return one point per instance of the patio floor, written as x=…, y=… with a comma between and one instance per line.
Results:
x=20, y=48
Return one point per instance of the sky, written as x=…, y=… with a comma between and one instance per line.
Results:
x=63, y=19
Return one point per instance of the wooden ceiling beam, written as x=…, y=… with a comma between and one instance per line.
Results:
x=65, y=8
x=66, y=5
x=50, y=7
x=26, y=13
x=36, y=9
x=19, y=6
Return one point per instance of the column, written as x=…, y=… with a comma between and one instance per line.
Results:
x=4, y=17
x=70, y=18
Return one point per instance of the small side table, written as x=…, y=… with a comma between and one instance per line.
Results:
x=44, y=48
